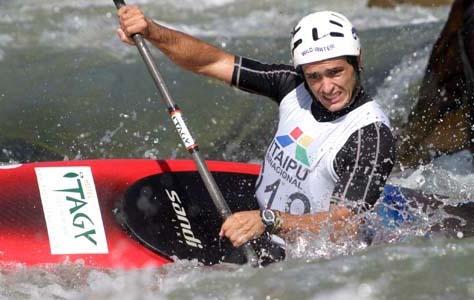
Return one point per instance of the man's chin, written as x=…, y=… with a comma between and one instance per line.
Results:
x=334, y=107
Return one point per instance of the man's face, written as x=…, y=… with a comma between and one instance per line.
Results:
x=331, y=81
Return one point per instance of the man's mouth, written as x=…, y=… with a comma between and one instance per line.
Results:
x=334, y=98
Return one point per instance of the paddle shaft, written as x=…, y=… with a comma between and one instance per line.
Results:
x=186, y=136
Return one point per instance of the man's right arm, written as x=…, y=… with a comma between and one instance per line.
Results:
x=184, y=50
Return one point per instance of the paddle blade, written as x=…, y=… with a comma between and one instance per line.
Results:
x=173, y=214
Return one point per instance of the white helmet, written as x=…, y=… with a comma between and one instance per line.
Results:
x=323, y=35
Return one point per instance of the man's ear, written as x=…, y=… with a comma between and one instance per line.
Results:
x=360, y=61
x=299, y=69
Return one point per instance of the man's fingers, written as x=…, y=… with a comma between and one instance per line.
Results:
x=134, y=24
x=223, y=230
x=227, y=226
x=121, y=11
x=127, y=9
x=238, y=239
x=124, y=38
x=132, y=21
x=241, y=227
x=240, y=235
x=244, y=238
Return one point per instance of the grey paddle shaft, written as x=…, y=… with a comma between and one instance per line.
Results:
x=186, y=137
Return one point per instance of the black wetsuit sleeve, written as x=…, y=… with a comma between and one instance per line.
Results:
x=271, y=80
x=363, y=165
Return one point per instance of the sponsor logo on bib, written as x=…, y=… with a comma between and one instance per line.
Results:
x=302, y=141
x=291, y=165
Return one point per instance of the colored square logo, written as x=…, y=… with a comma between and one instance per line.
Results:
x=302, y=141
x=305, y=141
x=296, y=133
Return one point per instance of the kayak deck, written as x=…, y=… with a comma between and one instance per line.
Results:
x=136, y=213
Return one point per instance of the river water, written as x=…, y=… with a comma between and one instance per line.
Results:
x=70, y=90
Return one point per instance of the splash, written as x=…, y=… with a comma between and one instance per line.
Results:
x=449, y=175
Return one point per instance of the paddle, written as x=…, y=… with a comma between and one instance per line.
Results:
x=186, y=138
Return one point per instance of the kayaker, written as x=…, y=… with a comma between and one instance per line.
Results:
x=333, y=149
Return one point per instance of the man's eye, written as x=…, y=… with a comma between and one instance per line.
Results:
x=313, y=76
x=333, y=73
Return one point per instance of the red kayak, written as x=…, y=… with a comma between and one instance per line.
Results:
x=87, y=194
x=137, y=213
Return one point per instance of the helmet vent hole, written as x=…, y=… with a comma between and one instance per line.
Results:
x=336, y=23
x=295, y=31
x=296, y=44
x=338, y=17
x=336, y=34
x=315, y=34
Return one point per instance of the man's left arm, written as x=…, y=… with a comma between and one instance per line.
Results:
x=363, y=165
x=244, y=226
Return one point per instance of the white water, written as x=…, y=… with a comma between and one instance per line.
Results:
x=414, y=268
x=450, y=175
x=421, y=269
x=71, y=24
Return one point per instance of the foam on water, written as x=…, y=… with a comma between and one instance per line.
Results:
x=72, y=24
x=391, y=271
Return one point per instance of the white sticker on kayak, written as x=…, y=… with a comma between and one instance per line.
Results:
x=71, y=209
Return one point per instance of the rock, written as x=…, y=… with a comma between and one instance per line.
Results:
x=443, y=119
x=393, y=3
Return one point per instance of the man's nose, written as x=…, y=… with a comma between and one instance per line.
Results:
x=327, y=85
